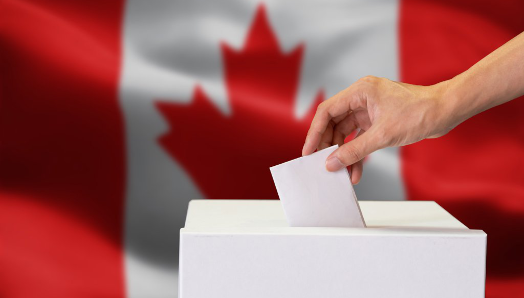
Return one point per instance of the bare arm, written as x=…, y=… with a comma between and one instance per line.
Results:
x=494, y=80
x=387, y=113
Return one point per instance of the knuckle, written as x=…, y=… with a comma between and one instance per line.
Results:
x=368, y=79
x=351, y=154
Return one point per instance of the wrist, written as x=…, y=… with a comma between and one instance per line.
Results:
x=464, y=96
x=449, y=101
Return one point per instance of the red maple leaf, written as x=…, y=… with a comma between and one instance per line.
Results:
x=228, y=157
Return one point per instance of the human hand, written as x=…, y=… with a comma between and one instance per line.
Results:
x=385, y=113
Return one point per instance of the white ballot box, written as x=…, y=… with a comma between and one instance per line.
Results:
x=246, y=249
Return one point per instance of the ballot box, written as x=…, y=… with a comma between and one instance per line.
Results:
x=246, y=249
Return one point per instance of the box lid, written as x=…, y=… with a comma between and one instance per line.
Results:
x=267, y=216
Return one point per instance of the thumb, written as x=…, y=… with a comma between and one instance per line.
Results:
x=353, y=151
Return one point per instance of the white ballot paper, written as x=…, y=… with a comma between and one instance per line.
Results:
x=313, y=197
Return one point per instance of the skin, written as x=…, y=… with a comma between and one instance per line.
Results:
x=387, y=113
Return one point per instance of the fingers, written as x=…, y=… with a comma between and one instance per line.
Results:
x=356, y=171
x=317, y=129
x=327, y=137
x=338, y=137
x=344, y=128
x=353, y=151
x=337, y=106
x=337, y=130
x=358, y=167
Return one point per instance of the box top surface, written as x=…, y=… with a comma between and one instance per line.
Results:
x=268, y=216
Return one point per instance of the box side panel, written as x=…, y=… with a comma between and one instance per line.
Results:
x=181, y=255
x=331, y=266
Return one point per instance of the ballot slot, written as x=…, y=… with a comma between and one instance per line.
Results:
x=311, y=196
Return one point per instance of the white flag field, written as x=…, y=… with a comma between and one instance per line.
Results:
x=114, y=115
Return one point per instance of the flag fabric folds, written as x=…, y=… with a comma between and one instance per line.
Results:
x=113, y=115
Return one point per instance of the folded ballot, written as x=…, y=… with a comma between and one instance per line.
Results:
x=313, y=197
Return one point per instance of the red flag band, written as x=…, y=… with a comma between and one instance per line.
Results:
x=114, y=115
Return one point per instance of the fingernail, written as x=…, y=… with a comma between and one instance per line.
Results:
x=333, y=164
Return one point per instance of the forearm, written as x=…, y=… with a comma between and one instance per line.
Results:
x=494, y=80
x=396, y=114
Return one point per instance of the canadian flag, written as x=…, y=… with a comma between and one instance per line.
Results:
x=113, y=115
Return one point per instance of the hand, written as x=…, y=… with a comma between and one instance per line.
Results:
x=385, y=113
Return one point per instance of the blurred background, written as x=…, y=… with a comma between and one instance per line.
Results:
x=114, y=114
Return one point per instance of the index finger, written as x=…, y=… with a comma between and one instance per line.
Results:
x=335, y=106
